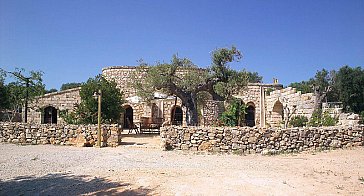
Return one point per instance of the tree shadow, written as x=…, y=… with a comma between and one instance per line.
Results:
x=132, y=144
x=67, y=184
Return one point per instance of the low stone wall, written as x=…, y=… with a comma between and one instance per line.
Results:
x=80, y=135
x=258, y=140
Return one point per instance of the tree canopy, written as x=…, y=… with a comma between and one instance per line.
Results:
x=86, y=112
x=349, y=86
x=16, y=90
x=4, y=97
x=345, y=85
x=70, y=85
x=185, y=80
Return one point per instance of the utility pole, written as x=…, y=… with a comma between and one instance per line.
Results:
x=98, y=96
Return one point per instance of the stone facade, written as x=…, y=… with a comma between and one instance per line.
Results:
x=46, y=109
x=281, y=102
x=80, y=135
x=260, y=140
x=267, y=104
x=161, y=107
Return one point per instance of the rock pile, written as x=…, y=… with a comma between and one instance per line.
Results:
x=80, y=135
x=258, y=140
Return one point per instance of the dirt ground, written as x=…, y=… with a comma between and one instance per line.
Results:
x=139, y=167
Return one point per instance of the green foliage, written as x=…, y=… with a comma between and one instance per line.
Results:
x=319, y=118
x=87, y=111
x=303, y=86
x=185, y=80
x=4, y=97
x=327, y=120
x=16, y=91
x=345, y=85
x=70, y=117
x=298, y=121
x=350, y=87
x=254, y=77
x=234, y=114
x=52, y=90
x=315, y=120
x=70, y=85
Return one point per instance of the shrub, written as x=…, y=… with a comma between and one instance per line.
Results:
x=234, y=114
x=328, y=120
x=298, y=121
x=322, y=119
x=315, y=120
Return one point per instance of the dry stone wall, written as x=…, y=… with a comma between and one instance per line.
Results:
x=80, y=135
x=259, y=140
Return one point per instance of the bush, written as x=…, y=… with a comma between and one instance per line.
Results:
x=327, y=120
x=298, y=121
x=234, y=114
x=322, y=119
x=315, y=120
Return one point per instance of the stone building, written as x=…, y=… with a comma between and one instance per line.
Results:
x=46, y=109
x=267, y=104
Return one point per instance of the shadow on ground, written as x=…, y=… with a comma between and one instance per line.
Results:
x=67, y=184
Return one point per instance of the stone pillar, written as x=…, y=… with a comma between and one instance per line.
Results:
x=262, y=107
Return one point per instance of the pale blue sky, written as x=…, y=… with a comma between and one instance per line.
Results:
x=73, y=40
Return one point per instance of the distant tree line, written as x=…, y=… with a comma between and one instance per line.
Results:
x=345, y=85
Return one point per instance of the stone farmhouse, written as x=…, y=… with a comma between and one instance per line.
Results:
x=267, y=104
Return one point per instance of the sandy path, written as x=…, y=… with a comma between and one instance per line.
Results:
x=140, y=167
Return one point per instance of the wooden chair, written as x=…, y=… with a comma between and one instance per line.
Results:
x=132, y=126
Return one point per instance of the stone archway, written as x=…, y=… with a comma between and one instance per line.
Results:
x=176, y=115
x=50, y=115
x=277, y=113
x=250, y=115
x=128, y=116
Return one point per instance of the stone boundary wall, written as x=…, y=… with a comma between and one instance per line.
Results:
x=79, y=135
x=259, y=140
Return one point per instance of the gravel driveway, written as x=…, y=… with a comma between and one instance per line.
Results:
x=139, y=167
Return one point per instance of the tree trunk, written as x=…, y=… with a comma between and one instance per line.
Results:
x=191, y=113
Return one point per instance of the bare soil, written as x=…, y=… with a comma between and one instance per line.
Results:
x=139, y=167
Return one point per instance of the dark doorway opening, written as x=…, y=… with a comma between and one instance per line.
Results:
x=128, y=116
x=177, y=116
x=250, y=116
x=50, y=115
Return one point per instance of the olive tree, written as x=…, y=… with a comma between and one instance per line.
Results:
x=185, y=80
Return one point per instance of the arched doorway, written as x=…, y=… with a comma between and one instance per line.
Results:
x=128, y=116
x=50, y=115
x=176, y=116
x=277, y=114
x=250, y=115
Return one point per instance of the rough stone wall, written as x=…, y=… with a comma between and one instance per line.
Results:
x=251, y=96
x=255, y=95
x=80, y=135
x=212, y=110
x=259, y=140
x=301, y=104
x=63, y=100
x=122, y=75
